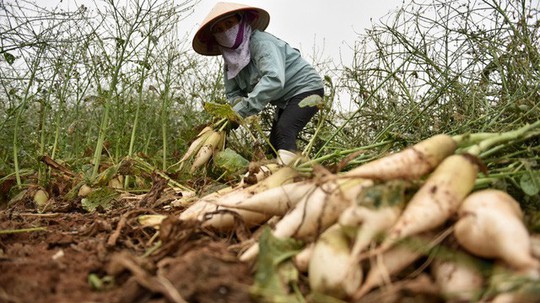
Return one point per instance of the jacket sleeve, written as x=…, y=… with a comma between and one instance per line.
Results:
x=270, y=61
x=232, y=90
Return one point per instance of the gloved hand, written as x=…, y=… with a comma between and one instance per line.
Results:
x=232, y=125
x=234, y=118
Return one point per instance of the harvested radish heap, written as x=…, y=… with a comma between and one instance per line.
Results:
x=437, y=200
x=316, y=211
x=404, y=197
x=491, y=225
x=210, y=208
x=321, y=207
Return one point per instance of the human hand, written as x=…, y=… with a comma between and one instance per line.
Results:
x=232, y=125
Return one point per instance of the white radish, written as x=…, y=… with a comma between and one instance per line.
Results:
x=233, y=195
x=209, y=210
x=509, y=286
x=535, y=245
x=117, y=182
x=274, y=201
x=316, y=211
x=257, y=172
x=437, y=200
x=320, y=209
x=388, y=264
x=40, y=198
x=376, y=209
x=490, y=225
x=221, y=218
x=151, y=220
x=205, y=130
x=458, y=279
x=301, y=259
x=192, y=212
x=196, y=145
x=85, y=190
x=208, y=149
x=330, y=265
x=410, y=163
x=372, y=222
x=282, y=176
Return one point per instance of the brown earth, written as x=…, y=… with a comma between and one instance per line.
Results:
x=65, y=248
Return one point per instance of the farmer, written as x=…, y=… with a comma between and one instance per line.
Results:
x=260, y=69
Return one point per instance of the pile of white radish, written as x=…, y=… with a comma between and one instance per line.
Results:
x=370, y=226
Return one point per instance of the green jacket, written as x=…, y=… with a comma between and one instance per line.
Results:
x=275, y=74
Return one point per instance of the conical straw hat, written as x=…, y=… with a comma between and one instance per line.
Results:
x=204, y=42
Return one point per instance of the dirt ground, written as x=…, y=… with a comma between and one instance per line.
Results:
x=70, y=255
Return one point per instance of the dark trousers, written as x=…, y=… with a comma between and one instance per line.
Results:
x=291, y=120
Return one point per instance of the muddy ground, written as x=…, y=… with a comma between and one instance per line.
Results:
x=70, y=255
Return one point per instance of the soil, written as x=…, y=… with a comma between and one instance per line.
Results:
x=70, y=255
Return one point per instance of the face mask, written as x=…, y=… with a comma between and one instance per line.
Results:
x=234, y=46
x=232, y=37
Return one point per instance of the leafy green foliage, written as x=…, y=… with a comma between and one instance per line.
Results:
x=276, y=275
x=9, y=58
x=230, y=161
x=530, y=183
x=221, y=110
x=102, y=197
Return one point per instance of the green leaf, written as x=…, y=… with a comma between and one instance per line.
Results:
x=100, y=283
x=276, y=274
x=230, y=160
x=381, y=195
x=101, y=197
x=219, y=110
x=9, y=58
x=530, y=183
x=313, y=100
x=104, y=177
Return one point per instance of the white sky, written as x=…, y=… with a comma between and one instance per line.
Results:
x=325, y=26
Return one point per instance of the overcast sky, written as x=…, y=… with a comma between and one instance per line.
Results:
x=327, y=26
